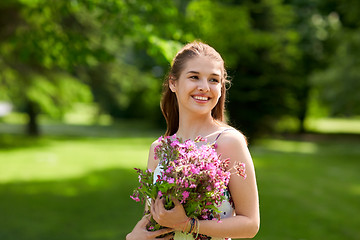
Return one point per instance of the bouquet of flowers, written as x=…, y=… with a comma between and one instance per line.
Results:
x=196, y=176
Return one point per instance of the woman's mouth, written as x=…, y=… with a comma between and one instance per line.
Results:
x=201, y=98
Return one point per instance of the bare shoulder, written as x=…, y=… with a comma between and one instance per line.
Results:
x=232, y=138
x=233, y=144
x=154, y=144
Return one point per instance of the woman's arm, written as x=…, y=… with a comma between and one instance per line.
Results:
x=245, y=224
x=152, y=163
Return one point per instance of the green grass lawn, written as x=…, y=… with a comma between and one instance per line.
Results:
x=309, y=188
x=75, y=184
x=67, y=188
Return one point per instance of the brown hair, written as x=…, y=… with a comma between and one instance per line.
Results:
x=169, y=105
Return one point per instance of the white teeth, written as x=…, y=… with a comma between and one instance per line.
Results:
x=201, y=98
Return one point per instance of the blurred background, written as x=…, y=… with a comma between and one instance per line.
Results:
x=80, y=84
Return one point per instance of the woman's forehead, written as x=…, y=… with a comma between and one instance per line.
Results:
x=203, y=65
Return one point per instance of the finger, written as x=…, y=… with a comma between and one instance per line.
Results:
x=156, y=212
x=176, y=203
x=144, y=221
x=168, y=237
x=159, y=204
x=175, y=200
x=159, y=201
x=152, y=209
x=157, y=207
x=165, y=231
x=162, y=232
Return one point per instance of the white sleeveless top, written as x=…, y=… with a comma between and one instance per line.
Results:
x=226, y=209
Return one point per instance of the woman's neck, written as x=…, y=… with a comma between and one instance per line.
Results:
x=194, y=126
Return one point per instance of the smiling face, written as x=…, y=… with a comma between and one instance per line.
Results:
x=192, y=85
x=198, y=88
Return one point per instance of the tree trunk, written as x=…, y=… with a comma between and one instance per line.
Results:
x=32, y=127
x=304, y=99
x=302, y=123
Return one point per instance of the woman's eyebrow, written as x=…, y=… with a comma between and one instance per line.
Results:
x=194, y=72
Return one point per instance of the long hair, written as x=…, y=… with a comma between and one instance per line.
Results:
x=169, y=104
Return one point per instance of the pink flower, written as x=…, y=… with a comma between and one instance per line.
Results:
x=169, y=170
x=170, y=180
x=195, y=170
x=185, y=195
x=160, y=193
x=240, y=169
x=174, y=143
x=135, y=198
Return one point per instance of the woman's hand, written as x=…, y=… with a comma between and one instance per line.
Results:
x=174, y=218
x=140, y=232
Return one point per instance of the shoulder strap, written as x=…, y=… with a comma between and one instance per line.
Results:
x=217, y=137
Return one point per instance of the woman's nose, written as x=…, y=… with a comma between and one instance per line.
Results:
x=203, y=85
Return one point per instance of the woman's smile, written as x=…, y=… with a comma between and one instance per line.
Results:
x=200, y=98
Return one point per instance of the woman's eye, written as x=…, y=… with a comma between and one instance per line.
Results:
x=214, y=80
x=194, y=77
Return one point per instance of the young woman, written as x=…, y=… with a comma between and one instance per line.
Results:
x=193, y=105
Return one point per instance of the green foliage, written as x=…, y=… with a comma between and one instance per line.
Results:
x=339, y=83
x=278, y=53
x=40, y=52
x=53, y=92
x=260, y=48
x=333, y=77
x=71, y=45
x=122, y=90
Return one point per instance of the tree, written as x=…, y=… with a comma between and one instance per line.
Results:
x=54, y=50
x=338, y=83
x=312, y=53
x=39, y=51
x=260, y=47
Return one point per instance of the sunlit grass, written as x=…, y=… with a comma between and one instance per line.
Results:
x=349, y=125
x=289, y=146
x=56, y=158
x=69, y=188
x=334, y=125
x=308, y=188
x=80, y=114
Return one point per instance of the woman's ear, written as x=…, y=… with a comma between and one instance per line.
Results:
x=172, y=85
